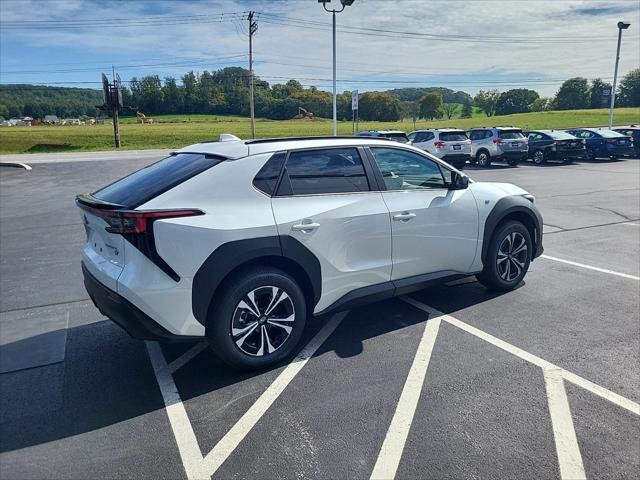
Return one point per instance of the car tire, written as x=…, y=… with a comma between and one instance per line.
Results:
x=539, y=158
x=245, y=329
x=483, y=158
x=497, y=274
x=567, y=161
x=513, y=162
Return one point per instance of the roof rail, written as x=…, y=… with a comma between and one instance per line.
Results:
x=321, y=137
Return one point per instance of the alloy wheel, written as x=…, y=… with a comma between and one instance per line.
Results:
x=538, y=157
x=512, y=256
x=262, y=321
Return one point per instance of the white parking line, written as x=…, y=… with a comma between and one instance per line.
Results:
x=589, y=267
x=569, y=457
x=180, y=424
x=567, y=449
x=196, y=466
x=632, y=224
x=391, y=451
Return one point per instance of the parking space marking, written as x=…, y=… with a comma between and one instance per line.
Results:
x=195, y=464
x=590, y=267
x=178, y=419
x=631, y=224
x=564, y=434
x=393, y=445
x=567, y=448
x=186, y=357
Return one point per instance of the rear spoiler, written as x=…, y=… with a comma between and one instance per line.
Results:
x=87, y=201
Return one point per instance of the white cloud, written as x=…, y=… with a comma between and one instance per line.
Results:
x=304, y=52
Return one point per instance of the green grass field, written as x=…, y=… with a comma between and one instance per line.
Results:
x=173, y=131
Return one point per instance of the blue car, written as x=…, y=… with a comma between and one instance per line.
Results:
x=603, y=143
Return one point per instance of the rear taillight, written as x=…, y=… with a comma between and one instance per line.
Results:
x=439, y=144
x=135, y=221
x=497, y=141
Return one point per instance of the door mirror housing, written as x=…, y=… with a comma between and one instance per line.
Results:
x=459, y=181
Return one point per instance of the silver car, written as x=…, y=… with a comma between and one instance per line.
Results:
x=490, y=144
x=449, y=144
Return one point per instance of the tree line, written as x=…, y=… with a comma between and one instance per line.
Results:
x=226, y=92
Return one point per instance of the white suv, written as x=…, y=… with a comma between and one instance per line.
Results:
x=449, y=144
x=240, y=241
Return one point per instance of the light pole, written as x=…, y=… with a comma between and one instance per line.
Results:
x=345, y=3
x=621, y=26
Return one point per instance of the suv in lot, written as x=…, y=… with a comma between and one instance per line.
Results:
x=604, y=143
x=395, y=135
x=449, y=144
x=240, y=241
x=632, y=131
x=491, y=144
x=555, y=145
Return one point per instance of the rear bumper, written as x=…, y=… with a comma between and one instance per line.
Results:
x=135, y=322
x=570, y=154
x=620, y=151
x=456, y=158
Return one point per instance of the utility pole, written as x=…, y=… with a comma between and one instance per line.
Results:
x=253, y=27
x=115, y=101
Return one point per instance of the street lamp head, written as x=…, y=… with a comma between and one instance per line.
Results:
x=346, y=3
x=623, y=25
x=324, y=1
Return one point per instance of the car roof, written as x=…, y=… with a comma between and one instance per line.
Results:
x=233, y=149
x=439, y=130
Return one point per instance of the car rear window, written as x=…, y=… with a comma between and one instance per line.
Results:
x=510, y=134
x=398, y=137
x=453, y=136
x=609, y=134
x=561, y=136
x=155, y=179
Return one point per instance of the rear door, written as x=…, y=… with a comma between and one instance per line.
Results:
x=325, y=201
x=434, y=229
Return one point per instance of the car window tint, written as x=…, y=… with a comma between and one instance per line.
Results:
x=453, y=136
x=335, y=170
x=510, y=134
x=412, y=136
x=155, y=179
x=404, y=170
x=267, y=178
x=488, y=134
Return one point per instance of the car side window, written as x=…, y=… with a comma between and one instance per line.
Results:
x=417, y=137
x=267, y=178
x=405, y=170
x=488, y=134
x=331, y=170
x=428, y=136
x=413, y=136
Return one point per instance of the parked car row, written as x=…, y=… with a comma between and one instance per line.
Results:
x=485, y=145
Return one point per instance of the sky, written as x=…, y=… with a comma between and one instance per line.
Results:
x=381, y=44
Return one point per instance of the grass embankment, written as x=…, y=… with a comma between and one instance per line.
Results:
x=172, y=131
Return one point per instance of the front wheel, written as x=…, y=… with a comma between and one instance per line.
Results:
x=508, y=257
x=258, y=319
x=513, y=162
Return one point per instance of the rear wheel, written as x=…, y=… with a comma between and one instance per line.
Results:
x=483, y=158
x=258, y=319
x=539, y=157
x=513, y=162
x=508, y=257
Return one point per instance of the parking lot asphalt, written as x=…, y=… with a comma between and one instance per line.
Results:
x=452, y=382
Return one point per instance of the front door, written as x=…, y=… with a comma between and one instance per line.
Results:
x=434, y=229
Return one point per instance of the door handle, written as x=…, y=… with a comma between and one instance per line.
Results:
x=305, y=227
x=404, y=217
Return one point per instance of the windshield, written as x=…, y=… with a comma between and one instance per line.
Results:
x=453, y=136
x=510, y=134
x=561, y=136
x=155, y=179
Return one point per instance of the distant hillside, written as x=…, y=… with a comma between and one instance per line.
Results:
x=37, y=101
x=414, y=94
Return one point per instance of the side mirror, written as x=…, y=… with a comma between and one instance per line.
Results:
x=459, y=181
